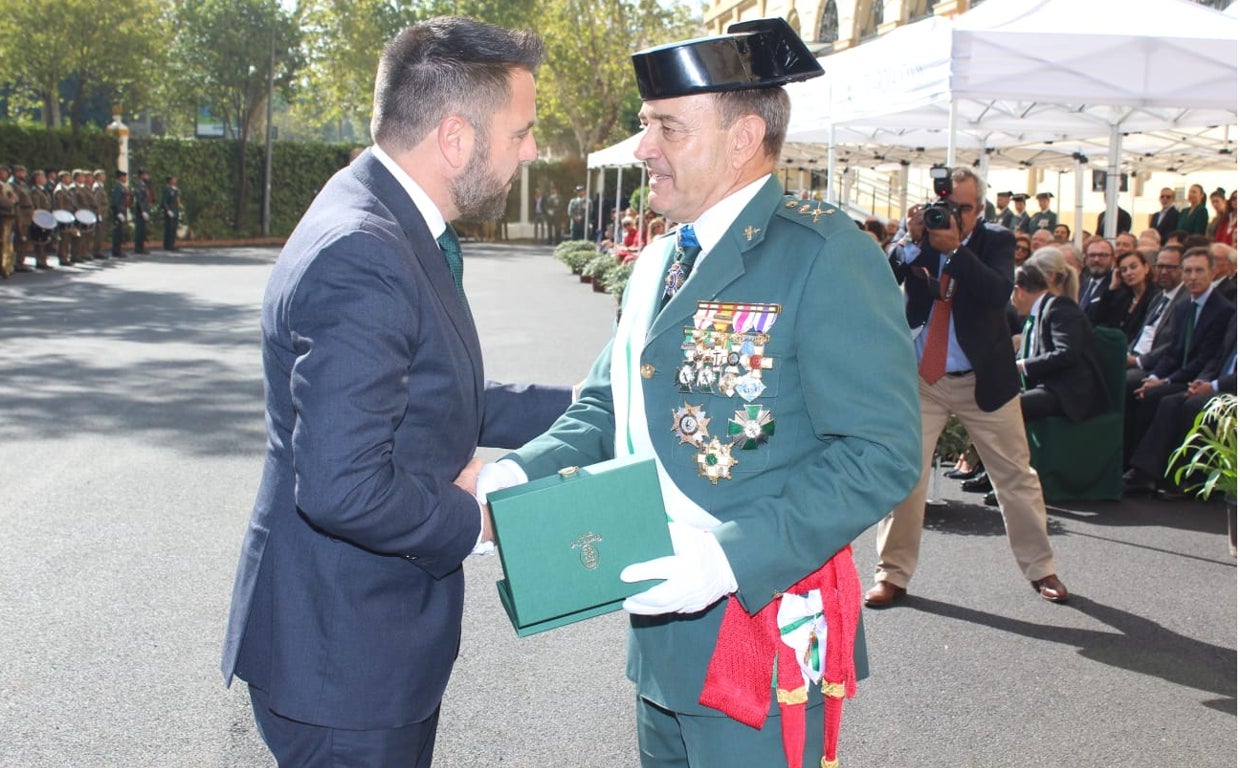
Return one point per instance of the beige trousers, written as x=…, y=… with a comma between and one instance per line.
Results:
x=999, y=438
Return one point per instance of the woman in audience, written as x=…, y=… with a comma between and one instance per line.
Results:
x=1126, y=300
x=1194, y=219
x=1062, y=279
x=1224, y=225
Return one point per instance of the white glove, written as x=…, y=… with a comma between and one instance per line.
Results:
x=696, y=576
x=493, y=477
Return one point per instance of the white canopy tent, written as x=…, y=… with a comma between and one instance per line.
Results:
x=1026, y=72
x=619, y=156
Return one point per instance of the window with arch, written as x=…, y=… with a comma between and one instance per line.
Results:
x=829, y=27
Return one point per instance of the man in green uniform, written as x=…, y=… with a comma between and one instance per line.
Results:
x=1045, y=218
x=170, y=204
x=141, y=199
x=66, y=233
x=25, y=218
x=8, y=221
x=118, y=212
x=100, y=203
x=41, y=237
x=84, y=201
x=762, y=359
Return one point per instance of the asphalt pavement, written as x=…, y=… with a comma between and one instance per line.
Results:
x=132, y=432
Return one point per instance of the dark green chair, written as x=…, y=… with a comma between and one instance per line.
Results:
x=1086, y=460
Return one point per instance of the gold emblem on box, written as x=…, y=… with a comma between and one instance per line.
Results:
x=589, y=553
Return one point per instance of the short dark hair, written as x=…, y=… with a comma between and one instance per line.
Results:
x=773, y=105
x=442, y=66
x=1030, y=279
x=1200, y=250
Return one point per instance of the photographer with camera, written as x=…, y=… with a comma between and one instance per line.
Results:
x=958, y=279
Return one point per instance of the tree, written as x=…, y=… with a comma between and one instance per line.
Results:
x=587, y=88
x=223, y=53
x=69, y=50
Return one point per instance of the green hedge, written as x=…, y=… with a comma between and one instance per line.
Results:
x=206, y=172
x=36, y=147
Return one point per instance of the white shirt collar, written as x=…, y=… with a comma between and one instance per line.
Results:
x=1200, y=301
x=714, y=223
x=1039, y=304
x=434, y=219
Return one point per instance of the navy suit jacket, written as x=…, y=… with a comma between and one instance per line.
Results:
x=1208, y=332
x=347, y=604
x=983, y=271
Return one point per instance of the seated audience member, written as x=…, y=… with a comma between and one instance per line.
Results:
x=1057, y=361
x=1196, y=241
x=1062, y=278
x=1072, y=255
x=1175, y=416
x=1128, y=296
x=1150, y=237
x=1041, y=238
x=1155, y=337
x=1198, y=328
x=1062, y=233
x=876, y=229
x=1099, y=263
x=1125, y=242
x=1224, y=270
x=1024, y=247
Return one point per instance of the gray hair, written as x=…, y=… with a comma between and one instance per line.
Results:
x=1060, y=276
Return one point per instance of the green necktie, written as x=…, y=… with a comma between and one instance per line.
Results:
x=456, y=264
x=1188, y=337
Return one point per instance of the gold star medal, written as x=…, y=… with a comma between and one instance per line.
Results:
x=715, y=461
x=689, y=424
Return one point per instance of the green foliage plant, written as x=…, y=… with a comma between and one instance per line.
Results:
x=1209, y=451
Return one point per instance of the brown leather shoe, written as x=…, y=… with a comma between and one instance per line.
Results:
x=1051, y=588
x=883, y=594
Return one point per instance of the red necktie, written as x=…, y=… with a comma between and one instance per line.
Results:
x=934, y=354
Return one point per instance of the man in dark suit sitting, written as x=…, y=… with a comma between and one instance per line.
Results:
x=1198, y=329
x=346, y=611
x=958, y=288
x=1058, y=361
x=1175, y=416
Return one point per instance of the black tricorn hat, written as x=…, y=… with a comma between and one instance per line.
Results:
x=753, y=54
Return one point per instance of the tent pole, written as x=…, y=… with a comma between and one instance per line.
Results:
x=952, y=116
x=615, y=229
x=1113, y=183
x=903, y=190
x=829, y=192
x=603, y=187
x=1078, y=221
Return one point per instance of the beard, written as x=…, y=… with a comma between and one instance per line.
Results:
x=479, y=194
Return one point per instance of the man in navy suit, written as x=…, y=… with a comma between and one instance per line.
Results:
x=1199, y=327
x=346, y=611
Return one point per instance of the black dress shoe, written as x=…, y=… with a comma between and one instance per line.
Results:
x=957, y=474
x=1136, y=483
x=979, y=484
x=991, y=499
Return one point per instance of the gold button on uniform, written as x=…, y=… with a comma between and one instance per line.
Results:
x=647, y=370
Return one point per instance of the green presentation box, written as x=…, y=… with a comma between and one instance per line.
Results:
x=564, y=539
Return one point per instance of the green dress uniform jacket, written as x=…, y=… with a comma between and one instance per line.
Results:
x=842, y=390
x=1043, y=220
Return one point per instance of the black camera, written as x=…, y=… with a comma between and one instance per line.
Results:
x=939, y=214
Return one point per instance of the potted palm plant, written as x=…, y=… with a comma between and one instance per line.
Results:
x=1207, y=457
